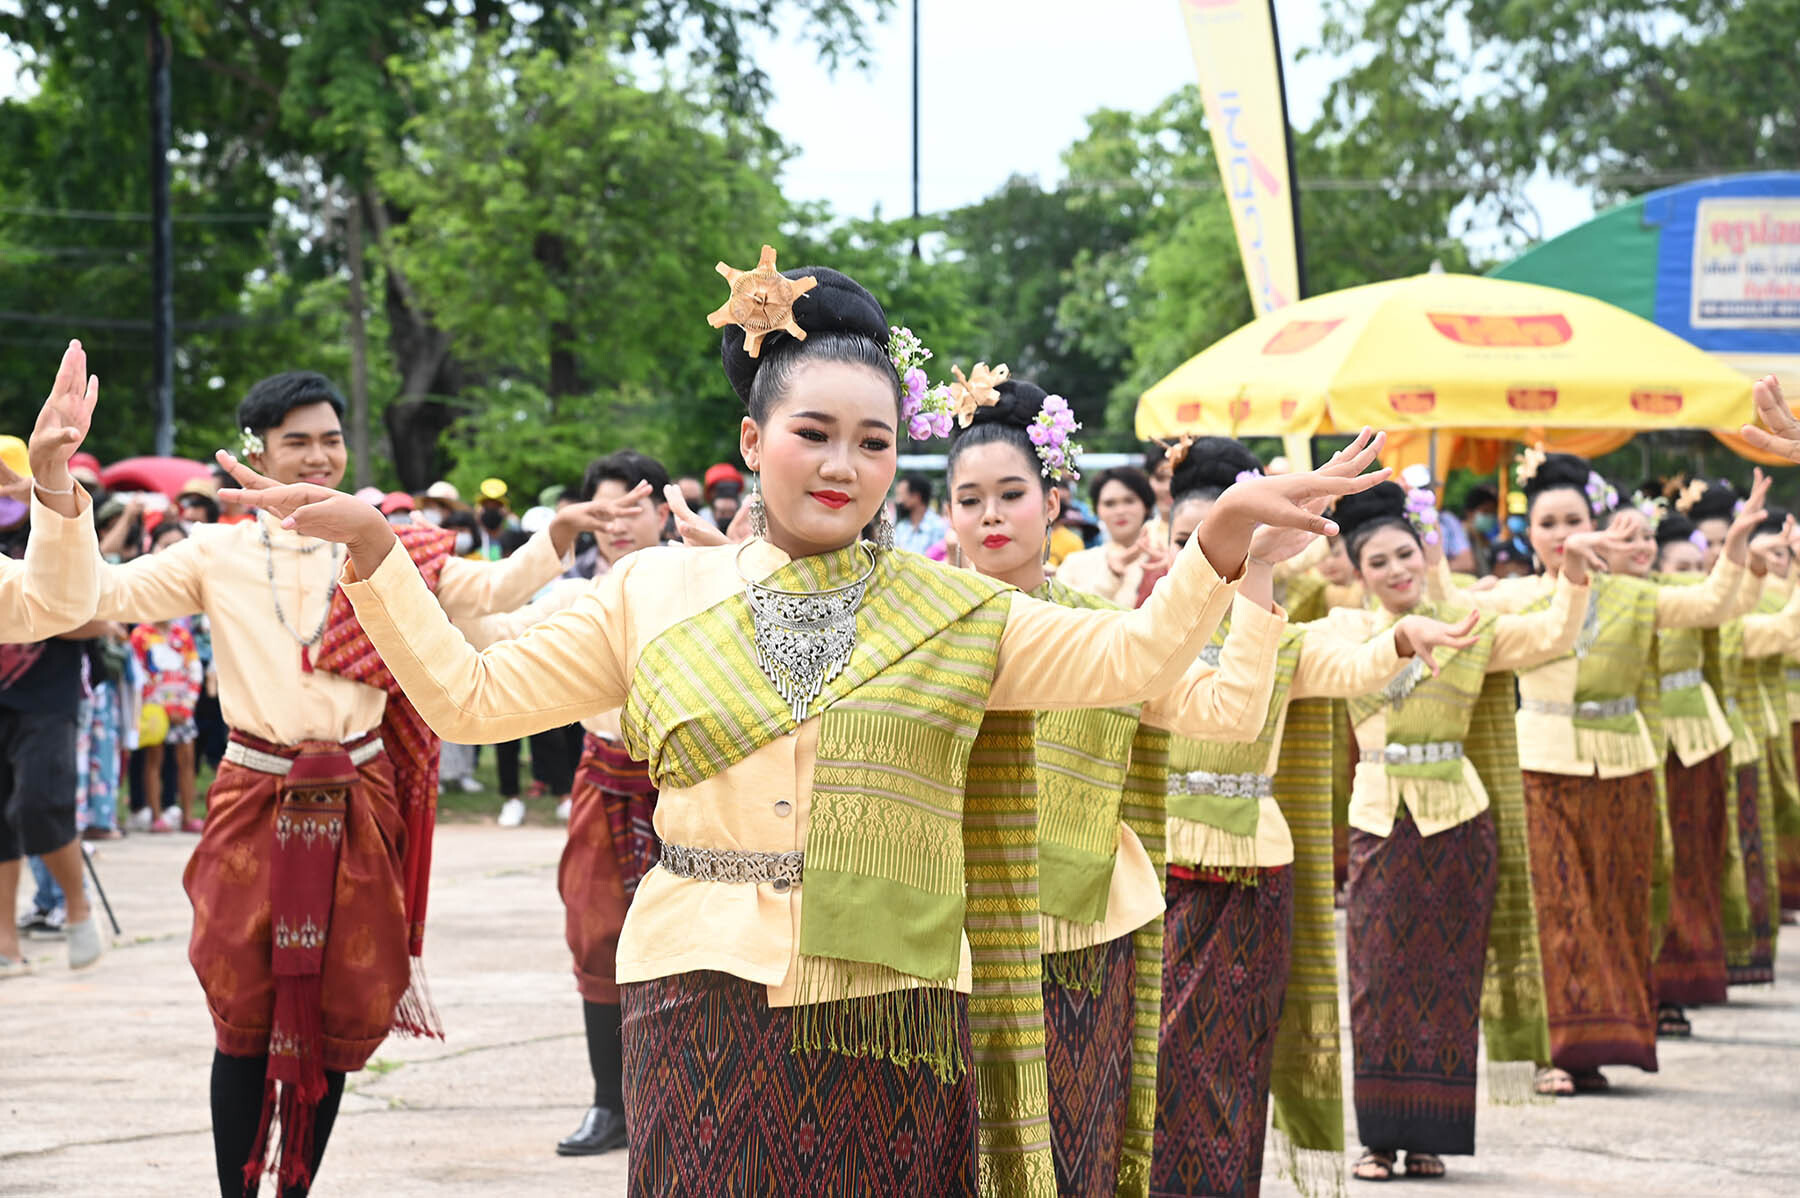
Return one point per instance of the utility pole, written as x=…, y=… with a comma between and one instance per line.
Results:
x=359, y=345
x=915, y=124
x=162, y=237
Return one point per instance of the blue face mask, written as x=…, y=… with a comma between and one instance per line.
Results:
x=1516, y=524
x=1486, y=523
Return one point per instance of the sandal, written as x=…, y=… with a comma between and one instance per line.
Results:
x=1590, y=1081
x=1672, y=1022
x=11, y=968
x=1555, y=1083
x=1373, y=1166
x=1424, y=1164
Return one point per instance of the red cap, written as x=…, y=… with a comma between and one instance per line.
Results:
x=396, y=501
x=84, y=461
x=722, y=472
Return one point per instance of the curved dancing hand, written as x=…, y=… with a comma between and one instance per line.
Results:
x=313, y=511
x=1781, y=432
x=1419, y=636
x=690, y=527
x=62, y=425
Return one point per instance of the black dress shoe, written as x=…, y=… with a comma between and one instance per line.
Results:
x=601, y=1130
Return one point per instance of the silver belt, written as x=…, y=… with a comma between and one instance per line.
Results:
x=1683, y=680
x=1227, y=786
x=242, y=754
x=780, y=870
x=1429, y=753
x=1590, y=710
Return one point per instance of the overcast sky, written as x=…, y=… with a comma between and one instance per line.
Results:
x=1006, y=86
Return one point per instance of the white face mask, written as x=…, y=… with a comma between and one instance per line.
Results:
x=465, y=544
x=432, y=515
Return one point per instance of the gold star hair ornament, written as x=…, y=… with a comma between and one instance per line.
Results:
x=977, y=390
x=1529, y=461
x=1691, y=494
x=1175, y=452
x=762, y=302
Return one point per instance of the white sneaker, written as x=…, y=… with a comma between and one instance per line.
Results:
x=562, y=810
x=512, y=813
x=470, y=784
x=172, y=816
x=85, y=942
x=141, y=819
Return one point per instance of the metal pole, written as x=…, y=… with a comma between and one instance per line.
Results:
x=162, y=237
x=915, y=113
x=359, y=345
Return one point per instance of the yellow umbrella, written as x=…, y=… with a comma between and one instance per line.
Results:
x=1485, y=357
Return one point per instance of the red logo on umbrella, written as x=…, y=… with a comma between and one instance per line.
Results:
x=1656, y=403
x=1503, y=332
x=1531, y=399
x=1298, y=335
x=1188, y=412
x=1412, y=401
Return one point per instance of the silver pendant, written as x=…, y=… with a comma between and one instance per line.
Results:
x=804, y=639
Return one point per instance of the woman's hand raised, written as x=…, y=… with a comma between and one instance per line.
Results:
x=1286, y=501
x=1780, y=434
x=314, y=511
x=1420, y=636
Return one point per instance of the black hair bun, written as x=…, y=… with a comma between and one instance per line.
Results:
x=839, y=304
x=1212, y=463
x=1674, y=527
x=1020, y=402
x=1559, y=470
x=1718, y=503
x=1383, y=501
x=1773, y=521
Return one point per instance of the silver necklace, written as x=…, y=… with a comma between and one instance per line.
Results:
x=306, y=642
x=1397, y=691
x=804, y=639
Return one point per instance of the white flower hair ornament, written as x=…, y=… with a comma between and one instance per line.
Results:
x=1527, y=468
x=249, y=443
x=924, y=409
x=1053, y=431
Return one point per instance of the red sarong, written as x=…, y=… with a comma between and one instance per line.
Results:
x=611, y=846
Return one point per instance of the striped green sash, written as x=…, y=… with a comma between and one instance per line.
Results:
x=922, y=823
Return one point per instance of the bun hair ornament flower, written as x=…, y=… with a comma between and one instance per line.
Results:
x=1602, y=496
x=1691, y=494
x=1527, y=468
x=1652, y=510
x=1244, y=476
x=1422, y=514
x=1052, y=431
x=1698, y=540
x=762, y=302
x=924, y=409
x=977, y=390
x=249, y=443
x=1175, y=452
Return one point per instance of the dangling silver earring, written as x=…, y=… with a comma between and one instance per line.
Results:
x=759, y=519
x=1046, y=547
x=884, y=531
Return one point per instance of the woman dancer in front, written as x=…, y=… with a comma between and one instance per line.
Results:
x=810, y=707
x=1428, y=857
x=1248, y=894
x=1590, y=786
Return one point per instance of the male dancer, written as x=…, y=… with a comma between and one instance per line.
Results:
x=309, y=882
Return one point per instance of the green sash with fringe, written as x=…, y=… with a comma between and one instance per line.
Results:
x=1306, y=1086
x=1778, y=799
x=1688, y=720
x=922, y=823
x=1662, y=864
x=1735, y=682
x=1465, y=701
x=1096, y=766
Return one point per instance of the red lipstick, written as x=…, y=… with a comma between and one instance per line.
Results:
x=831, y=499
x=996, y=540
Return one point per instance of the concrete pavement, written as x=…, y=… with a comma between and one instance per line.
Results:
x=103, y=1074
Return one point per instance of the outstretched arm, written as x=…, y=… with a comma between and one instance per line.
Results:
x=1232, y=701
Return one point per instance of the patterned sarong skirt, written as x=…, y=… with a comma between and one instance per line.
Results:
x=1593, y=844
x=1417, y=945
x=1225, y=970
x=1087, y=1048
x=717, y=1103
x=1691, y=966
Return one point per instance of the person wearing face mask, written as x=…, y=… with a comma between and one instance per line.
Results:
x=834, y=728
x=320, y=738
x=1249, y=943
x=1439, y=875
x=917, y=528
x=1591, y=770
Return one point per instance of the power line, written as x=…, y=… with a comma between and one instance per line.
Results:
x=194, y=218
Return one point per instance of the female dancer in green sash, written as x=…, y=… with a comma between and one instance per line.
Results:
x=829, y=718
x=1439, y=878
x=1101, y=781
x=1250, y=979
